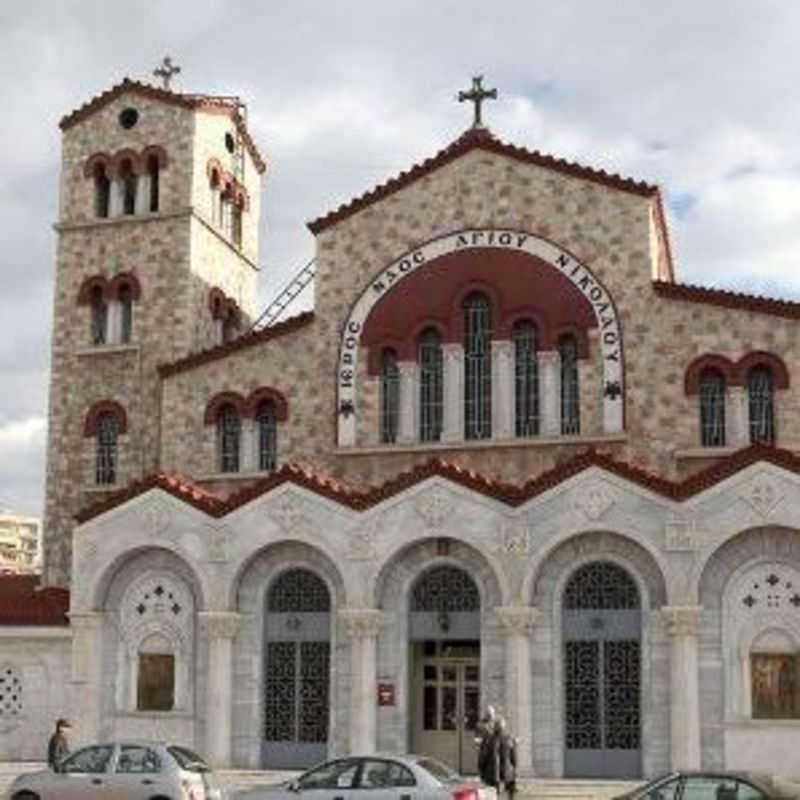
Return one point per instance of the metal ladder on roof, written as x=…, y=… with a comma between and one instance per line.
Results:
x=285, y=298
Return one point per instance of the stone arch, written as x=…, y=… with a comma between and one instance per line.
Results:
x=249, y=588
x=403, y=566
x=639, y=557
x=108, y=585
x=579, y=279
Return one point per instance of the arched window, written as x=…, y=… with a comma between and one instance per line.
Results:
x=128, y=187
x=526, y=379
x=229, y=429
x=152, y=171
x=230, y=326
x=761, y=403
x=102, y=190
x=105, y=470
x=477, y=367
x=215, y=193
x=570, y=389
x=267, y=425
x=712, y=408
x=99, y=307
x=431, y=386
x=236, y=223
x=125, y=298
x=390, y=397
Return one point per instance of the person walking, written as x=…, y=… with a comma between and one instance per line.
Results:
x=58, y=746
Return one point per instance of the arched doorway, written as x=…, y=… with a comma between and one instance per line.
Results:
x=601, y=628
x=444, y=643
x=296, y=670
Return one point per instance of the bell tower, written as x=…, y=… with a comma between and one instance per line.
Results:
x=156, y=258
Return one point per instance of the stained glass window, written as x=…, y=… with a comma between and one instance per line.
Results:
x=390, y=397
x=431, y=386
x=570, y=390
x=526, y=379
x=760, y=396
x=477, y=367
x=267, y=424
x=229, y=429
x=106, y=450
x=712, y=409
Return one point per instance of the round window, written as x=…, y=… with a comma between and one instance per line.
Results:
x=230, y=144
x=128, y=117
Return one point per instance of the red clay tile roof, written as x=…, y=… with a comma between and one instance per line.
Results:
x=22, y=602
x=507, y=493
x=728, y=299
x=249, y=339
x=227, y=105
x=482, y=139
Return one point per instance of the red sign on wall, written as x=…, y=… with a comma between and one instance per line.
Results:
x=385, y=694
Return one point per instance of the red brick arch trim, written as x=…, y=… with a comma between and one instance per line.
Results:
x=218, y=401
x=155, y=150
x=98, y=410
x=124, y=280
x=126, y=154
x=219, y=177
x=97, y=159
x=267, y=394
x=709, y=361
x=223, y=307
x=761, y=358
x=89, y=287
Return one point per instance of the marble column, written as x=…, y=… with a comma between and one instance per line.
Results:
x=518, y=623
x=502, y=390
x=219, y=628
x=362, y=626
x=453, y=427
x=86, y=685
x=737, y=417
x=549, y=363
x=682, y=625
x=115, y=197
x=142, y=202
x=409, y=396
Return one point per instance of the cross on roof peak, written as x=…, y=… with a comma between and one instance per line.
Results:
x=166, y=71
x=477, y=94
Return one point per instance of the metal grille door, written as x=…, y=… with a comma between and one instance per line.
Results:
x=296, y=671
x=602, y=674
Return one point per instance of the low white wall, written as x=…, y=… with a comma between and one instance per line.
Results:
x=40, y=657
x=764, y=747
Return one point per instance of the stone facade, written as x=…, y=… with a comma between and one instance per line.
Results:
x=692, y=531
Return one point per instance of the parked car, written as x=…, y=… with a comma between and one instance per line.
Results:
x=123, y=771
x=376, y=777
x=709, y=786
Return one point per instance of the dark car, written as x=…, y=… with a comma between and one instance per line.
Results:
x=709, y=786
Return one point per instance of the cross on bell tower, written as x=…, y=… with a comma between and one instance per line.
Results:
x=477, y=94
x=166, y=71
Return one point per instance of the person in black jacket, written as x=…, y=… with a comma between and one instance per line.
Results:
x=497, y=754
x=58, y=746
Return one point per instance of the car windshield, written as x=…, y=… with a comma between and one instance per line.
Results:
x=188, y=760
x=439, y=770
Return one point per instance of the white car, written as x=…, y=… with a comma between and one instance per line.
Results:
x=376, y=777
x=123, y=771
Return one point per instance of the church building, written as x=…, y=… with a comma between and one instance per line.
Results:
x=508, y=458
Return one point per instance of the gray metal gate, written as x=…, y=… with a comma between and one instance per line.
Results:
x=296, y=671
x=602, y=673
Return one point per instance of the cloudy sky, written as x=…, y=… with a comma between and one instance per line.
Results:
x=699, y=97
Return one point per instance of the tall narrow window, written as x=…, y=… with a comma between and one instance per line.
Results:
x=236, y=224
x=229, y=429
x=222, y=205
x=526, y=379
x=99, y=316
x=102, y=190
x=267, y=424
x=125, y=297
x=152, y=171
x=712, y=409
x=477, y=367
x=390, y=397
x=230, y=327
x=215, y=194
x=570, y=389
x=761, y=402
x=106, y=450
x=431, y=386
x=128, y=186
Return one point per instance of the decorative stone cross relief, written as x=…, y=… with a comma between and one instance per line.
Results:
x=763, y=495
x=434, y=507
x=595, y=500
x=477, y=94
x=166, y=71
